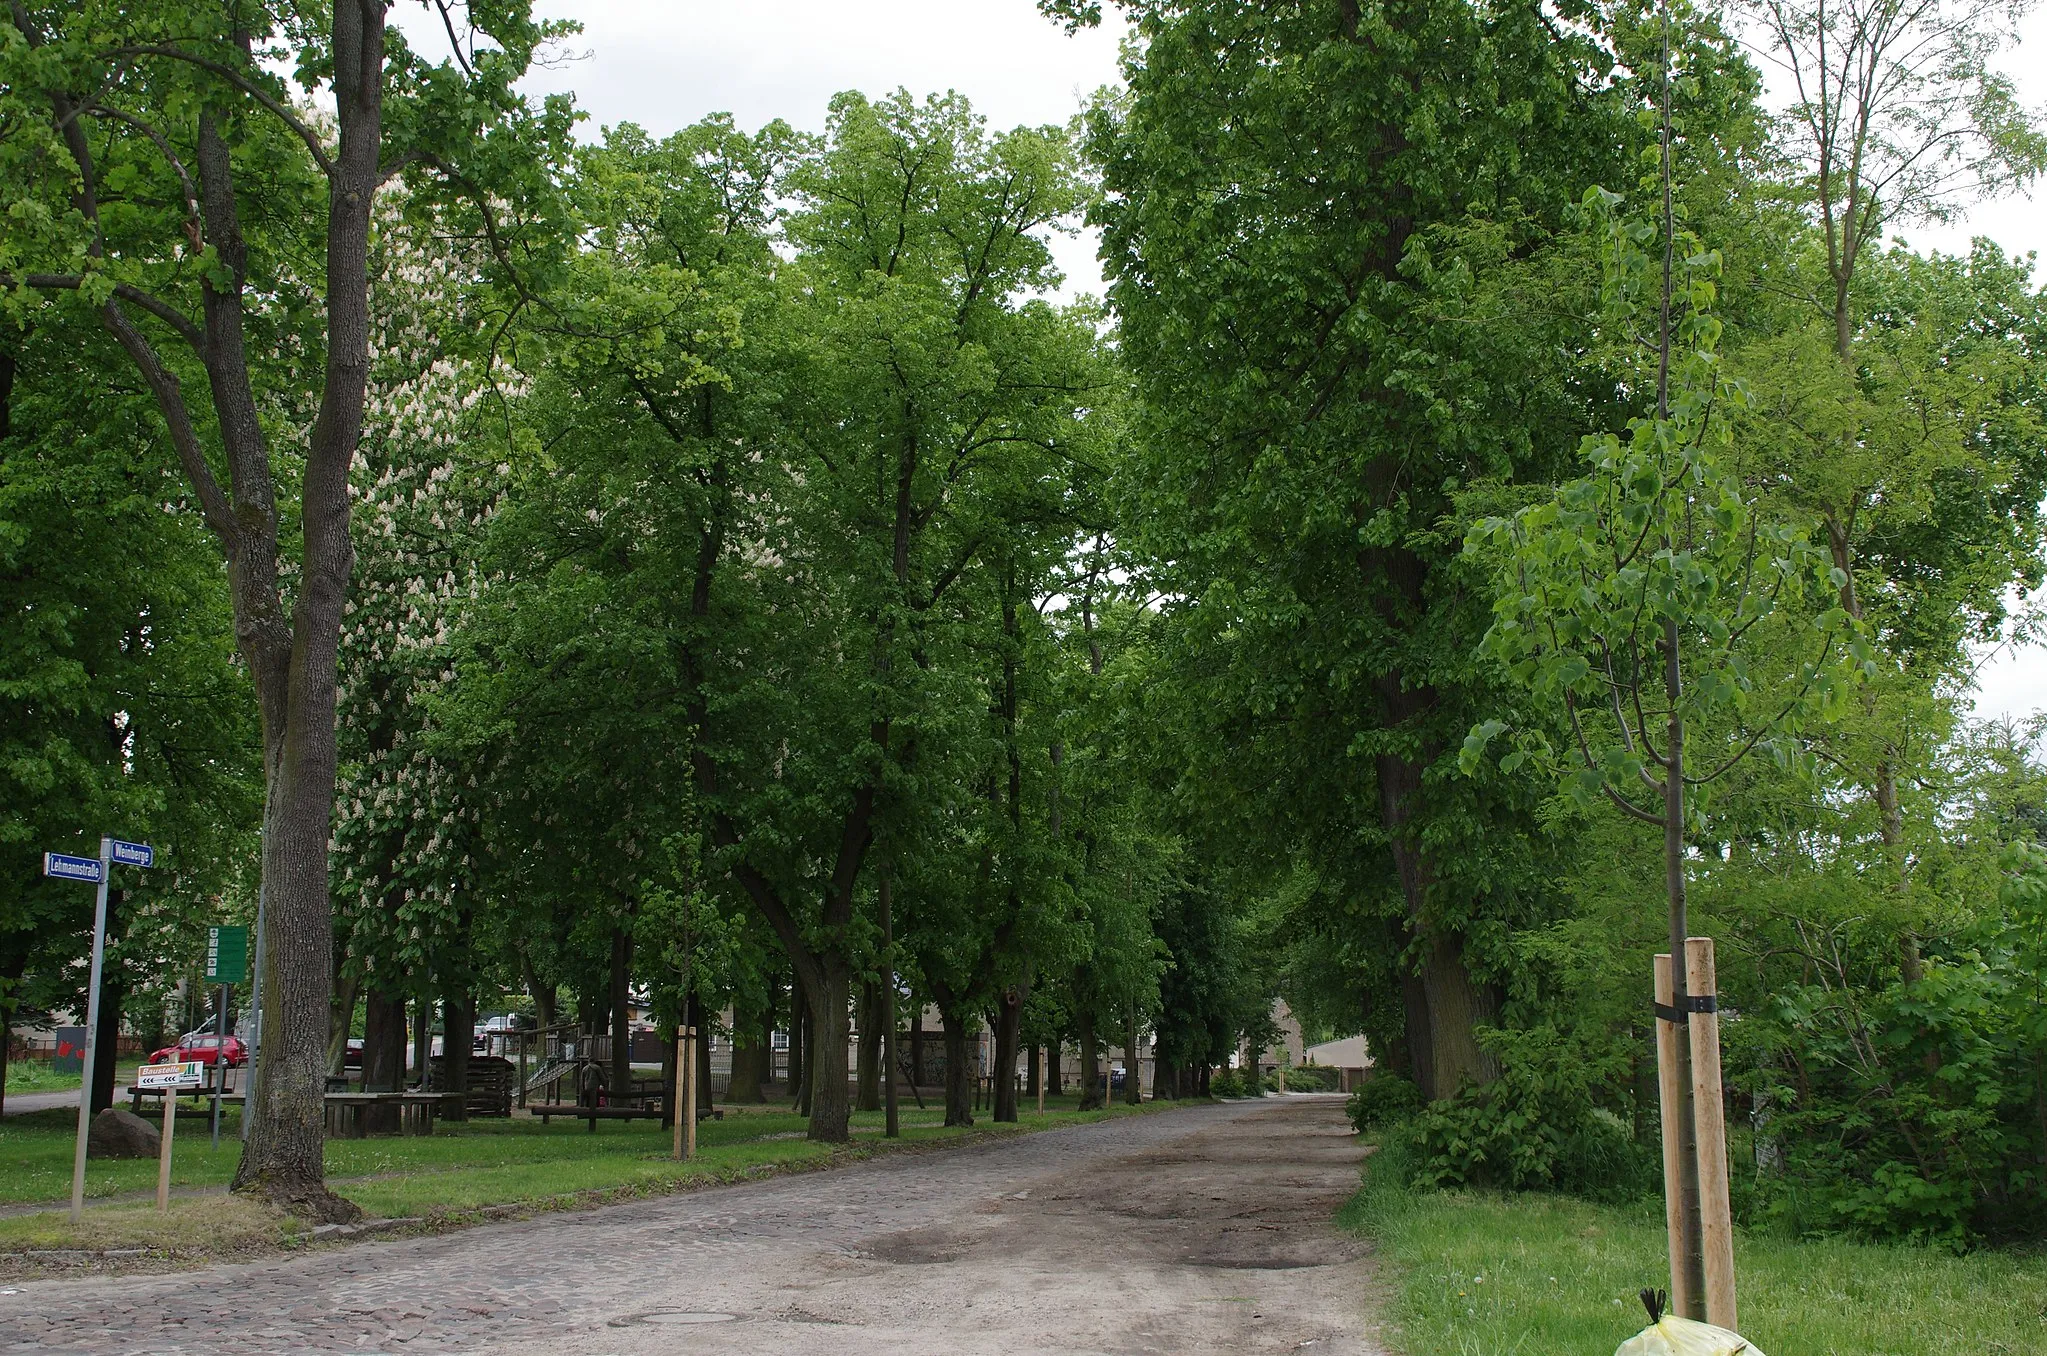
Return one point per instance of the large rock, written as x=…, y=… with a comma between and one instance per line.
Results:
x=122, y=1134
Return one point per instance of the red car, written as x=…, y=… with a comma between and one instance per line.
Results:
x=203, y=1047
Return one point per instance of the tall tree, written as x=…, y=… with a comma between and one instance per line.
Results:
x=1307, y=411
x=218, y=228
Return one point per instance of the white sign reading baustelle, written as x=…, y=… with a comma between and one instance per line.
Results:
x=170, y=1075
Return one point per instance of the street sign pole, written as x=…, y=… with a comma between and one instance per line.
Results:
x=92, y=1022
x=219, y=1062
x=254, y=1039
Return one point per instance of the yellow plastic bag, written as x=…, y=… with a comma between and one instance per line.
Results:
x=1673, y=1336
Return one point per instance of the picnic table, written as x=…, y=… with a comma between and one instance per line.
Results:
x=351, y=1115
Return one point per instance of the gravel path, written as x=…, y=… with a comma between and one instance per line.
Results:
x=1204, y=1229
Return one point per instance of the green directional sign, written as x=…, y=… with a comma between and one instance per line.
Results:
x=227, y=955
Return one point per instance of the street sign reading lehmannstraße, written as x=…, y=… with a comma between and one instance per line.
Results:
x=66, y=867
x=133, y=854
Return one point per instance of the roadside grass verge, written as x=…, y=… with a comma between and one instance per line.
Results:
x=197, y=1225
x=1492, y=1273
x=460, y=1172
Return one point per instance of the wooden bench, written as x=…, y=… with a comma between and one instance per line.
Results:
x=594, y=1114
x=350, y=1114
x=197, y=1101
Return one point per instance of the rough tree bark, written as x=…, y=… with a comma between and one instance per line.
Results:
x=1133, y=1090
x=621, y=1073
x=799, y=1021
x=959, y=1074
x=868, y=1064
x=458, y=1023
x=1092, y=1094
x=1008, y=1031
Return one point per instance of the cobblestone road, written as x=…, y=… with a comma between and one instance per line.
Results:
x=1204, y=1229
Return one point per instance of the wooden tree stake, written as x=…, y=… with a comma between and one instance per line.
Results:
x=1709, y=1117
x=686, y=1076
x=682, y=1054
x=1671, y=1100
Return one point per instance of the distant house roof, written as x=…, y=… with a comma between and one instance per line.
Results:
x=1348, y=1053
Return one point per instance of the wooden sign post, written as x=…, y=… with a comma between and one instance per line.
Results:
x=169, y=1078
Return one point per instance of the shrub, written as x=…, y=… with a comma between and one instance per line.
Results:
x=1304, y=1078
x=1384, y=1099
x=1527, y=1131
x=1226, y=1084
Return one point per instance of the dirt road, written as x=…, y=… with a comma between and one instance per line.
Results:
x=1204, y=1229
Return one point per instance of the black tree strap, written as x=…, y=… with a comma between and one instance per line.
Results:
x=1700, y=1002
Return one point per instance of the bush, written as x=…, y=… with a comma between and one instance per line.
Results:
x=1226, y=1084
x=1915, y=1112
x=1384, y=1099
x=1304, y=1078
x=1528, y=1132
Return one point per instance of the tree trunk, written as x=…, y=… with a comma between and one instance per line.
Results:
x=1092, y=1094
x=959, y=1077
x=748, y=1070
x=917, y=1040
x=830, y=1102
x=383, y=1056
x=293, y=664
x=458, y=1023
x=422, y=1038
x=1008, y=1030
x=106, y=1041
x=706, y=1101
x=799, y=1023
x=545, y=1014
x=671, y=1073
x=340, y=1019
x=621, y=1016
x=1457, y=1007
x=1133, y=1092
x=1034, y=1070
x=383, y=1042
x=1445, y=1007
x=1055, y=1060
x=869, y=1061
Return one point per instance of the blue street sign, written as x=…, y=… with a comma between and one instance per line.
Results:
x=134, y=854
x=58, y=864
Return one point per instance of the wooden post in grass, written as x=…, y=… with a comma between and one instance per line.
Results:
x=686, y=1079
x=682, y=1082
x=163, y=1155
x=1671, y=1099
x=1709, y=1117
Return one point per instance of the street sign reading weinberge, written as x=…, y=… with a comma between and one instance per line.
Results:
x=133, y=854
x=227, y=955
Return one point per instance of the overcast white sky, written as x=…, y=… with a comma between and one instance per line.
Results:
x=666, y=63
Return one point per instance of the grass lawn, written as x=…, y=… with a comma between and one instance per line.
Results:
x=36, y=1075
x=457, y=1168
x=1495, y=1273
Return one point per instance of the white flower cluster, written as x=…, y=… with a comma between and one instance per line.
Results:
x=425, y=483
